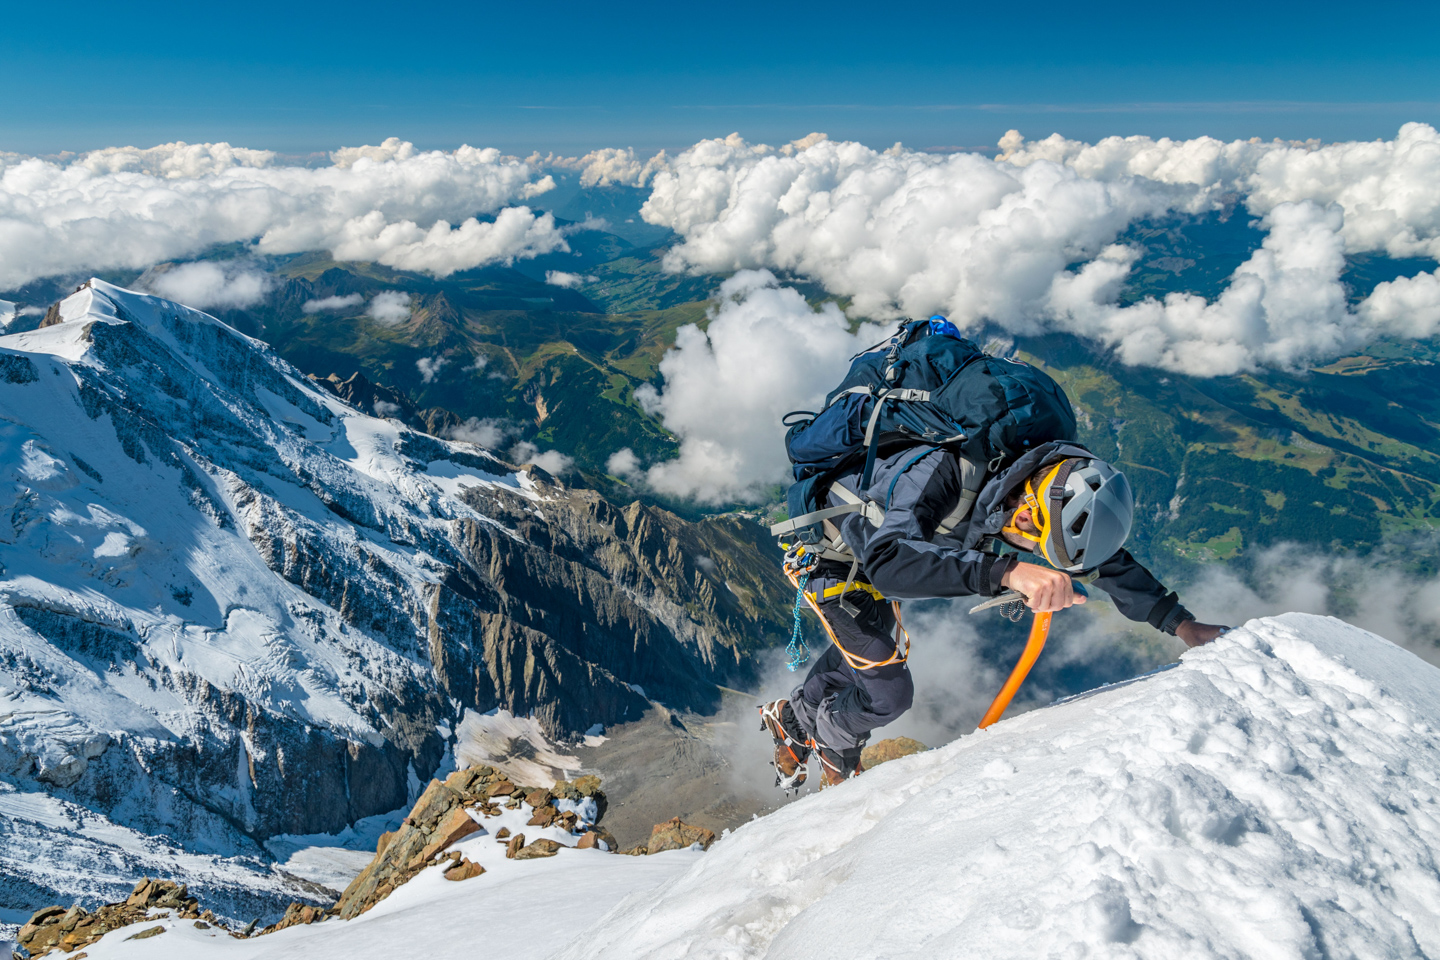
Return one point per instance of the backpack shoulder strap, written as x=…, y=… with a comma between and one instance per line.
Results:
x=972, y=478
x=857, y=504
x=833, y=547
x=815, y=516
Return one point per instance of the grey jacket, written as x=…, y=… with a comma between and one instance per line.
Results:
x=907, y=560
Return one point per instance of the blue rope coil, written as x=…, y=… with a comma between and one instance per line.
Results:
x=796, y=652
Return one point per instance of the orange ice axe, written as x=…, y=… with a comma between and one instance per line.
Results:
x=1039, y=631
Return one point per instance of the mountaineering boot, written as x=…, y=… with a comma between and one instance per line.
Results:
x=778, y=719
x=837, y=766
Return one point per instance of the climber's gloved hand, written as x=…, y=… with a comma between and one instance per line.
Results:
x=1048, y=590
x=1196, y=634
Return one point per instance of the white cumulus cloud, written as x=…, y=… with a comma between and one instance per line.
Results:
x=207, y=284
x=389, y=306
x=559, y=278
x=488, y=432
x=333, y=303
x=552, y=462
x=430, y=367
x=129, y=207
x=764, y=353
x=623, y=464
x=607, y=166
x=442, y=249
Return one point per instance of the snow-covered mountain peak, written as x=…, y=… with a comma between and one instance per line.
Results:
x=232, y=605
x=152, y=447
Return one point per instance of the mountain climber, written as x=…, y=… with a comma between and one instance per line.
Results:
x=901, y=537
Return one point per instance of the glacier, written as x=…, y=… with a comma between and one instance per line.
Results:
x=234, y=607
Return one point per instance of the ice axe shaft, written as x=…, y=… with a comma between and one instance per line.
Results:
x=1039, y=631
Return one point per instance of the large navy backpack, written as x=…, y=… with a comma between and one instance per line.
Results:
x=926, y=385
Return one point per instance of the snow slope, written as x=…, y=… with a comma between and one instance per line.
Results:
x=1274, y=795
x=519, y=910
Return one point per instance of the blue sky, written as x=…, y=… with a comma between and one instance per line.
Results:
x=300, y=77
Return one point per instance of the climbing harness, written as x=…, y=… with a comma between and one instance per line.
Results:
x=799, y=563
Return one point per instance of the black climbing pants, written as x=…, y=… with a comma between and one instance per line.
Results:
x=839, y=705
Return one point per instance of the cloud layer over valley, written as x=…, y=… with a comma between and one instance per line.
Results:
x=1027, y=241
x=129, y=208
x=1038, y=238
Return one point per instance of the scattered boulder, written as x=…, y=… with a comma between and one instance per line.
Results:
x=147, y=934
x=538, y=798
x=588, y=786
x=297, y=914
x=543, y=816
x=892, y=749
x=675, y=834
x=502, y=833
x=540, y=848
x=500, y=788
x=595, y=837
x=565, y=790
x=464, y=870
x=456, y=826
x=513, y=847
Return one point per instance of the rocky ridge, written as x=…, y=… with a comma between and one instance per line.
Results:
x=452, y=810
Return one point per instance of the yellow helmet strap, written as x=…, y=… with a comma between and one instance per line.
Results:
x=1040, y=513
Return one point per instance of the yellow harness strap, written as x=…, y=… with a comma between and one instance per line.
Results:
x=857, y=662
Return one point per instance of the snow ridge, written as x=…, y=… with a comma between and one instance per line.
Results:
x=1278, y=794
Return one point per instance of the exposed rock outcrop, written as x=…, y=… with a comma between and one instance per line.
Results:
x=892, y=749
x=56, y=928
x=448, y=813
x=675, y=834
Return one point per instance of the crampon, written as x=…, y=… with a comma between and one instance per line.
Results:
x=791, y=752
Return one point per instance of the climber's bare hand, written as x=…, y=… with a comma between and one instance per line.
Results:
x=1049, y=590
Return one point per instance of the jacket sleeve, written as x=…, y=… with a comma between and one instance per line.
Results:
x=898, y=557
x=1138, y=595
